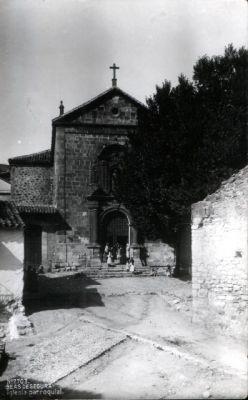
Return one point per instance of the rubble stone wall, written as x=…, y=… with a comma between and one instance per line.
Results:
x=31, y=184
x=219, y=257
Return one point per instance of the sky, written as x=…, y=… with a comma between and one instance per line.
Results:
x=52, y=50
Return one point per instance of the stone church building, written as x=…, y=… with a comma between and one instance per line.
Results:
x=64, y=195
x=60, y=212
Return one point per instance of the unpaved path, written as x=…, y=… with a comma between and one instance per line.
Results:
x=138, y=342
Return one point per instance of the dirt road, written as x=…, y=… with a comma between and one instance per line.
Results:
x=132, y=339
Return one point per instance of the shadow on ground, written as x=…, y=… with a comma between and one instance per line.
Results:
x=19, y=388
x=67, y=291
x=4, y=359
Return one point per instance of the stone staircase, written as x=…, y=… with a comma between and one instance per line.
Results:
x=113, y=271
x=116, y=271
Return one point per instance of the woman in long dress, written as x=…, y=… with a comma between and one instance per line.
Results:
x=109, y=259
x=132, y=265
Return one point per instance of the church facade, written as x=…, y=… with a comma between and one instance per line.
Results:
x=65, y=194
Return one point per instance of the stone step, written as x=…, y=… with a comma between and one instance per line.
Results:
x=101, y=271
x=124, y=270
x=117, y=271
x=102, y=275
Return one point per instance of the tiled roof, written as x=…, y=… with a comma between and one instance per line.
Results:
x=41, y=158
x=4, y=172
x=9, y=216
x=43, y=215
x=37, y=209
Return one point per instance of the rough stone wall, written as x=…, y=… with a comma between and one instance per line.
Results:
x=219, y=257
x=31, y=184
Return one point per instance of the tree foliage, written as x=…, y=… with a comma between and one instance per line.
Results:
x=192, y=137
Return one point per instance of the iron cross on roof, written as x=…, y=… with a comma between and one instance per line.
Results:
x=114, y=80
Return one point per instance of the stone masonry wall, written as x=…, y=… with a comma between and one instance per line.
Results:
x=115, y=111
x=219, y=257
x=31, y=184
x=75, y=151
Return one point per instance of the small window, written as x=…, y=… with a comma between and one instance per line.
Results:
x=115, y=111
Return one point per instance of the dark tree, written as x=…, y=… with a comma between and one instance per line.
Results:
x=192, y=137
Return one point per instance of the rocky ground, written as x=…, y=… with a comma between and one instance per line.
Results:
x=126, y=338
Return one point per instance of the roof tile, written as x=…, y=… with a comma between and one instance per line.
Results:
x=41, y=158
x=9, y=215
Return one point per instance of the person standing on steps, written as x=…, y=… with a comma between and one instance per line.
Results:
x=105, y=252
x=127, y=253
x=132, y=268
x=109, y=259
x=118, y=254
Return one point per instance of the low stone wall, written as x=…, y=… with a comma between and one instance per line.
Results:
x=219, y=257
x=159, y=254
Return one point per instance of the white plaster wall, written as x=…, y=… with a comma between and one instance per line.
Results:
x=219, y=256
x=11, y=262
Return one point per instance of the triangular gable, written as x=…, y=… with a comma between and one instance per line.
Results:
x=111, y=107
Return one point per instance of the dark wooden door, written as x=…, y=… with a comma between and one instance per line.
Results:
x=116, y=228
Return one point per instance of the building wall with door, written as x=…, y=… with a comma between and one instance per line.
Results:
x=76, y=176
x=76, y=155
x=84, y=159
x=219, y=257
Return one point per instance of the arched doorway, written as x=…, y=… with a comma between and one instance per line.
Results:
x=115, y=228
x=115, y=233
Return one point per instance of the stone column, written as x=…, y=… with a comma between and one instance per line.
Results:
x=94, y=247
x=135, y=247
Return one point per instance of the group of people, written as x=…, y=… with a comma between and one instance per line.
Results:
x=116, y=253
